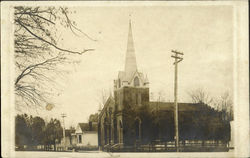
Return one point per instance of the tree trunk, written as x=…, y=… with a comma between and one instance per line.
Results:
x=54, y=145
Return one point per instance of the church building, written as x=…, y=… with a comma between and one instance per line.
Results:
x=128, y=119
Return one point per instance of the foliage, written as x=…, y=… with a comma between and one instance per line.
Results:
x=32, y=131
x=53, y=132
x=205, y=124
x=37, y=128
x=224, y=103
x=39, y=52
x=22, y=130
x=142, y=114
x=163, y=122
x=128, y=124
x=93, y=117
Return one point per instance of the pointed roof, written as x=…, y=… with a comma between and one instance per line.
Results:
x=109, y=103
x=86, y=127
x=126, y=77
x=130, y=63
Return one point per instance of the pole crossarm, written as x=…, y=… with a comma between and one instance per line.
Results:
x=175, y=51
x=178, y=61
x=63, y=115
x=176, y=57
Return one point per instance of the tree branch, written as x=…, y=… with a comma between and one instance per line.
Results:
x=30, y=14
x=71, y=25
x=29, y=69
x=53, y=45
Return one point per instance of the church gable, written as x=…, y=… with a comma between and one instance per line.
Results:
x=137, y=80
x=109, y=105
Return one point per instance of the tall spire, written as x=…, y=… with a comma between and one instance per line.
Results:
x=130, y=63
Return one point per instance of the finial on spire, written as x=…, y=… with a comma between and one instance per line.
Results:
x=129, y=19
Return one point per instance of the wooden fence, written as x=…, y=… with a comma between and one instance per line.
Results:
x=160, y=146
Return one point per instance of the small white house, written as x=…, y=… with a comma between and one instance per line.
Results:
x=86, y=134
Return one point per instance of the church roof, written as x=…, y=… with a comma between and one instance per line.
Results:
x=169, y=106
x=110, y=102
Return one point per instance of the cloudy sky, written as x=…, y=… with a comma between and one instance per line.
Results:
x=203, y=33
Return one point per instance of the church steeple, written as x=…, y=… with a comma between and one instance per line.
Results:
x=130, y=63
x=130, y=77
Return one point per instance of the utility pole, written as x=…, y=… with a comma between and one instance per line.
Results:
x=64, y=139
x=178, y=58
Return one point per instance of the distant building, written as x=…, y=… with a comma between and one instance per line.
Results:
x=86, y=135
x=129, y=119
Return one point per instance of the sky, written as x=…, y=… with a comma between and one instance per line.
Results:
x=203, y=33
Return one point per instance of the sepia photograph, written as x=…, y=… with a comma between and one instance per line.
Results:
x=125, y=79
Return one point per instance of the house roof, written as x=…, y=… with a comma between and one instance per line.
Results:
x=169, y=106
x=84, y=126
x=88, y=127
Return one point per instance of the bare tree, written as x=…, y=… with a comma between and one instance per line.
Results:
x=225, y=105
x=103, y=97
x=38, y=54
x=200, y=96
x=152, y=96
x=159, y=97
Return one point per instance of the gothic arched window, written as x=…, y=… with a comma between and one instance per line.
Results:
x=136, y=82
x=119, y=83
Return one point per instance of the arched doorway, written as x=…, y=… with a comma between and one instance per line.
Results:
x=115, y=131
x=105, y=131
x=137, y=129
x=120, y=131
